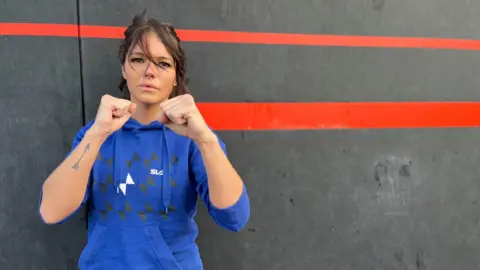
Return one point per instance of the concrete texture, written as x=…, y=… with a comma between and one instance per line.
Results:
x=431, y=18
x=50, y=11
x=343, y=199
x=40, y=108
x=383, y=199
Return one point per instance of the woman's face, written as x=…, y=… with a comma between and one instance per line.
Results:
x=150, y=83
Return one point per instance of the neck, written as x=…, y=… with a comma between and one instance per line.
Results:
x=146, y=114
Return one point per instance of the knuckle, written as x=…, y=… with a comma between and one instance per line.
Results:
x=120, y=102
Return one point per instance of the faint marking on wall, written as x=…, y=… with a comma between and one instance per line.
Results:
x=378, y=4
x=394, y=184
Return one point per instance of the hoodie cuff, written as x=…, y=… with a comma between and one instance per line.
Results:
x=234, y=217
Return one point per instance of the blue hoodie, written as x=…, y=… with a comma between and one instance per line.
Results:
x=142, y=201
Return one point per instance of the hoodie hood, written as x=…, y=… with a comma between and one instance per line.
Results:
x=134, y=128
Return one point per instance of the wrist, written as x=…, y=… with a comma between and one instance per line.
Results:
x=207, y=138
x=208, y=146
x=96, y=136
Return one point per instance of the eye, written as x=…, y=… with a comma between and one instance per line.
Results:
x=137, y=60
x=164, y=65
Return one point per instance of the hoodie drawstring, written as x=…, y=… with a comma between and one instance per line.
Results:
x=167, y=193
x=117, y=162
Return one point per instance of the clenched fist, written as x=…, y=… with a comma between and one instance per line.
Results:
x=182, y=116
x=112, y=115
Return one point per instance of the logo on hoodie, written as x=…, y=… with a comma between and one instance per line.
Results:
x=156, y=172
x=123, y=186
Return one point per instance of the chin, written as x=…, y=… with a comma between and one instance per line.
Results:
x=150, y=99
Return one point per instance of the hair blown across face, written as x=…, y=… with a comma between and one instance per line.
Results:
x=136, y=34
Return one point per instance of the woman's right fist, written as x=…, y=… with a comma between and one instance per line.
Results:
x=112, y=115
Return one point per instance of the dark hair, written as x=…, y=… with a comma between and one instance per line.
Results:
x=136, y=34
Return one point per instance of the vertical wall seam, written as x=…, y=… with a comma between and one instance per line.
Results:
x=80, y=52
x=82, y=91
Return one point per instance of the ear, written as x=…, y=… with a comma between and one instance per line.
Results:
x=123, y=72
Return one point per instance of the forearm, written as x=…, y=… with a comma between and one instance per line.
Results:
x=64, y=190
x=224, y=184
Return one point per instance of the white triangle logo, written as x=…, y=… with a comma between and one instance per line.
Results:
x=130, y=180
x=123, y=186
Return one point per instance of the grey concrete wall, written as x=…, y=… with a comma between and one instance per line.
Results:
x=336, y=199
x=41, y=111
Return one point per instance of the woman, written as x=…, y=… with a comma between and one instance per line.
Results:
x=142, y=163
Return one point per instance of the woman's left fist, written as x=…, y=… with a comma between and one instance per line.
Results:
x=182, y=116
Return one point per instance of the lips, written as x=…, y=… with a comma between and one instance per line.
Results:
x=148, y=86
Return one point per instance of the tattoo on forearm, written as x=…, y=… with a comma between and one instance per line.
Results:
x=76, y=165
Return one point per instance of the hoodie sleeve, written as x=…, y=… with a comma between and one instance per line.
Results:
x=78, y=138
x=232, y=218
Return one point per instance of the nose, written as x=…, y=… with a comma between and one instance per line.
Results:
x=150, y=70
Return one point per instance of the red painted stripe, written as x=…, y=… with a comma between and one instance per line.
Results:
x=38, y=29
x=91, y=31
x=295, y=116
x=279, y=116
